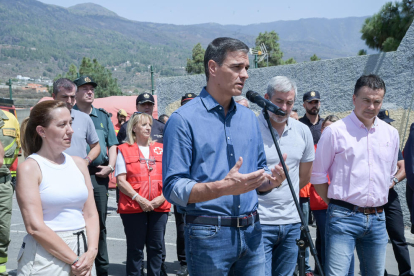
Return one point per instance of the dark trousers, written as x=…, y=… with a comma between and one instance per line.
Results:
x=147, y=229
x=179, y=224
x=100, y=192
x=395, y=228
x=409, y=194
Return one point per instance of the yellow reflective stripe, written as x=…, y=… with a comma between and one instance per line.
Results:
x=10, y=145
x=3, y=260
x=8, y=161
x=2, y=268
x=13, y=173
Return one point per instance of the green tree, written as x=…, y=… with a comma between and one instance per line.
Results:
x=270, y=40
x=314, y=58
x=107, y=86
x=362, y=52
x=385, y=29
x=195, y=65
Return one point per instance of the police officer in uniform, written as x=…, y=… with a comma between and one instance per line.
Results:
x=9, y=148
x=103, y=165
x=145, y=104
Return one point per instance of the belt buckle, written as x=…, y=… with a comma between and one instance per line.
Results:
x=238, y=222
x=366, y=213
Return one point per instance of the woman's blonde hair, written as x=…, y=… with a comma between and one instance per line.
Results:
x=136, y=118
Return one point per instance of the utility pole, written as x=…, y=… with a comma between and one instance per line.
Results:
x=152, y=80
x=9, y=83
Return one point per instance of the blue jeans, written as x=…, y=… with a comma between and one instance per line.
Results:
x=320, y=217
x=222, y=250
x=347, y=229
x=304, y=205
x=280, y=248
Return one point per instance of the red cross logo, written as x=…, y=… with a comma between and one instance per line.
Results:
x=158, y=150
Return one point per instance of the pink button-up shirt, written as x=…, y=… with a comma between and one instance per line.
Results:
x=360, y=162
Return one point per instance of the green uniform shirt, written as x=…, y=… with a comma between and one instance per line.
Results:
x=106, y=133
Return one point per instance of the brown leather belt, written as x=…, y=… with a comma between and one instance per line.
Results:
x=352, y=207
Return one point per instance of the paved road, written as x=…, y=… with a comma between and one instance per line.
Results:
x=117, y=244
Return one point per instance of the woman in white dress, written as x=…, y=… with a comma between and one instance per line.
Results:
x=55, y=197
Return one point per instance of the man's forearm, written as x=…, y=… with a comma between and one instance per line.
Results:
x=400, y=175
x=204, y=191
x=322, y=190
x=95, y=151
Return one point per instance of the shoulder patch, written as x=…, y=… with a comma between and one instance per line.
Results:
x=104, y=111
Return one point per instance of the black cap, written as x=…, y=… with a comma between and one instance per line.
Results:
x=311, y=95
x=85, y=80
x=385, y=116
x=187, y=97
x=144, y=98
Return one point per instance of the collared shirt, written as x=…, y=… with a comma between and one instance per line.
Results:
x=106, y=133
x=361, y=163
x=314, y=128
x=201, y=144
x=278, y=206
x=84, y=134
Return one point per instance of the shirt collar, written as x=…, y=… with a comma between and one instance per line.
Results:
x=358, y=123
x=210, y=103
x=93, y=113
x=308, y=122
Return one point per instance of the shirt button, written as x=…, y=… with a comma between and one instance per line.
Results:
x=238, y=206
x=231, y=154
x=220, y=108
x=228, y=138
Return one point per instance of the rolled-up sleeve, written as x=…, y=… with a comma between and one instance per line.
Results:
x=176, y=161
x=324, y=157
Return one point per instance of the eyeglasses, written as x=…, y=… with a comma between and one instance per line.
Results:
x=135, y=113
x=150, y=161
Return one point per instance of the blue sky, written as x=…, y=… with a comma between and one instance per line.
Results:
x=185, y=12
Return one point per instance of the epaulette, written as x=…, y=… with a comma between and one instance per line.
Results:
x=104, y=111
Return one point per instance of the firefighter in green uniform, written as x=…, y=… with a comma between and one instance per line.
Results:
x=10, y=146
x=103, y=165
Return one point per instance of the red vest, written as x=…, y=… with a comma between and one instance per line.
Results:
x=146, y=180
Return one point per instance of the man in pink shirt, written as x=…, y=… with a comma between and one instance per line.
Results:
x=359, y=153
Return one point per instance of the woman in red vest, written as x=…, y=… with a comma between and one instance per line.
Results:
x=142, y=206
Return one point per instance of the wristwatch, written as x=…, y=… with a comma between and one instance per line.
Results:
x=395, y=180
x=112, y=168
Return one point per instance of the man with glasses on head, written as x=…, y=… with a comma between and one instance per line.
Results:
x=103, y=165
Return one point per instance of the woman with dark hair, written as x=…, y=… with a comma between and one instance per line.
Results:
x=319, y=207
x=142, y=206
x=55, y=197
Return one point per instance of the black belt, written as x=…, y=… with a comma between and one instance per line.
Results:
x=5, y=178
x=352, y=207
x=224, y=221
x=85, y=245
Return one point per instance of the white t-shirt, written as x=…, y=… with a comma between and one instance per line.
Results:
x=120, y=166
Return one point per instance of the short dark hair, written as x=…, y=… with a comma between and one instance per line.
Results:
x=295, y=110
x=330, y=118
x=162, y=118
x=218, y=48
x=63, y=83
x=372, y=81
